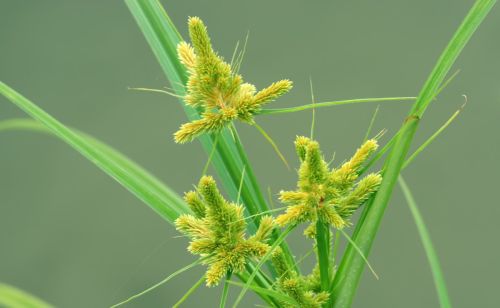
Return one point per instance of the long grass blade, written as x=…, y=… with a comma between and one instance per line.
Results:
x=348, y=238
x=127, y=164
x=189, y=292
x=432, y=257
x=352, y=265
x=389, y=144
x=432, y=138
x=167, y=279
x=273, y=144
x=269, y=292
x=370, y=126
x=334, y=103
x=147, y=188
x=280, y=239
x=16, y=298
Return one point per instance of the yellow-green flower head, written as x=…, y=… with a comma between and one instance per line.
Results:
x=216, y=88
x=305, y=290
x=328, y=195
x=217, y=230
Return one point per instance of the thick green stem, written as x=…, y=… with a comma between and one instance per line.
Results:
x=225, y=290
x=349, y=273
x=323, y=248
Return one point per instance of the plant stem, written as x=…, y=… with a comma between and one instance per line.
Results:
x=225, y=290
x=323, y=248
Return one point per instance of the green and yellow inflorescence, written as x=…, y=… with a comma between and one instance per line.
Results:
x=216, y=88
x=217, y=231
x=330, y=196
x=304, y=290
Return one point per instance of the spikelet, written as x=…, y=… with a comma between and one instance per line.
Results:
x=187, y=56
x=330, y=196
x=302, y=289
x=217, y=230
x=275, y=90
x=215, y=87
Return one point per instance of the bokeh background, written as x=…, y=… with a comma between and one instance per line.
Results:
x=74, y=237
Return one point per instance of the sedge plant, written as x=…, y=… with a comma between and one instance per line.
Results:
x=237, y=237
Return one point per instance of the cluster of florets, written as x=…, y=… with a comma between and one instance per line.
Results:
x=216, y=88
x=304, y=290
x=330, y=196
x=217, y=231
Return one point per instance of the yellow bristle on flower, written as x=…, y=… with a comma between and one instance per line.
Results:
x=186, y=55
x=275, y=90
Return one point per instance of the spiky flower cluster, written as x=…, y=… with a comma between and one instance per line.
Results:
x=304, y=290
x=217, y=230
x=217, y=88
x=330, y=196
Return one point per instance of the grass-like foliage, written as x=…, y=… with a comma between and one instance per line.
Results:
x=238, y=236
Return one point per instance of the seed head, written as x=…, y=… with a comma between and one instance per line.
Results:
x=216, y=88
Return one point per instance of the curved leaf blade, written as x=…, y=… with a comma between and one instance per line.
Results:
x=142, y=184
x=15, y=298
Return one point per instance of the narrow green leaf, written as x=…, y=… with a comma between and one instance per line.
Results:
x=269, y=292
x=250, y=279
x=147, y=188
x=349, y=239
x=334, y=103
x=431, y=138
x=167, y=279
x=12, y=297
x=189, y=292
x=352, y=265
x=150, y=181
x=370, y=126
x=389, y=144
x=432, y=257
x=273, y=144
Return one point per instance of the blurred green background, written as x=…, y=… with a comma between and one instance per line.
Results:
x=74, y=237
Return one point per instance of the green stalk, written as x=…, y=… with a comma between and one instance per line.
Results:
x=352, y=265
x=225, y=291
x=323, y=248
